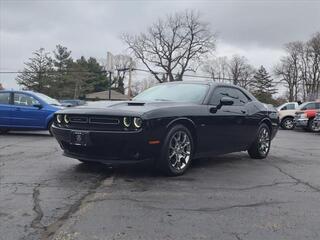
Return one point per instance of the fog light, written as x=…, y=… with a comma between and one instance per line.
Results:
x=137, y=122
x=127, y=121
x=59, y=118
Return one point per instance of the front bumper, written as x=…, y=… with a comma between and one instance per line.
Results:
x=108, y=147
x=301, y=122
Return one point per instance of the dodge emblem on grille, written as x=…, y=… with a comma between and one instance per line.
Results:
x=78, y=137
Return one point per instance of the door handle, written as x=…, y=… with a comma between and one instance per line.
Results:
x=244, y=111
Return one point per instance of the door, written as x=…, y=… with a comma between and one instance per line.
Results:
x=5, y=109
x=226, y=126
x=26, y=112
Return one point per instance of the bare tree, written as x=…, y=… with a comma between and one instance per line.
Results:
x=217, y=68
x=288, y=69
x=174, y=45
x=311, y=62
x=241, y=71
x=122, y=65
x=140, y=86
x=300, y=69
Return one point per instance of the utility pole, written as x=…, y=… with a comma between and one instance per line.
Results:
x=129, y=81
x=110, y=81
x=109, y=68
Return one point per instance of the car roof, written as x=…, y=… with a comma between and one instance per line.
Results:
x=206, y=82
x=17, y=91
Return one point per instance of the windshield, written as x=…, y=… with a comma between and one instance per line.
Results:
x=174, y=92
x=47, y=99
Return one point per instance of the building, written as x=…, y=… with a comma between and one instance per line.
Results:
x=104, y=95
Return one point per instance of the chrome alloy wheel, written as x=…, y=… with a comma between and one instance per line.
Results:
x=288, y=123
x=264, y=141
x=179, y=150
x=314, y=126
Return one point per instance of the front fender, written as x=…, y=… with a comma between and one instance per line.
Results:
x=180, y=120
x=49, y=118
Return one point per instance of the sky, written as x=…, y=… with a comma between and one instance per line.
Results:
x=256, y=29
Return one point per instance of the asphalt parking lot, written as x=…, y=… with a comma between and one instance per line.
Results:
x=47, y=196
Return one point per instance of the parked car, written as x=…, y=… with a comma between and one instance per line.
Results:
x=286, y=114
x=26, y=110
x=316, y=121
x=169, y=125
x=72, y=102
x=304, y=117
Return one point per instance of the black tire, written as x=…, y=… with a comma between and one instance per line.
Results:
x=4, y=130
x=261, y=146
x=182, y=150
x=287, y=123
x=312, y=127
x=50, y=128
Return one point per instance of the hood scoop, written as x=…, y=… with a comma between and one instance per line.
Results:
x=136, y=103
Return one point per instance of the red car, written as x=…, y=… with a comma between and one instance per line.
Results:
x=304, y=117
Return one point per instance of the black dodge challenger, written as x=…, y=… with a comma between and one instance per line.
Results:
x=170, y=124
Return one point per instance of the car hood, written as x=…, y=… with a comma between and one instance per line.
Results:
x=124, y=108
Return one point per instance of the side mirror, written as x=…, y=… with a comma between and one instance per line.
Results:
x=227, y=101
x=39, y=106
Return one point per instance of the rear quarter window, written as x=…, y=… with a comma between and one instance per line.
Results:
x=4, y=98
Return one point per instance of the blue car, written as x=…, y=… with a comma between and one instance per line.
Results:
x=26, y=110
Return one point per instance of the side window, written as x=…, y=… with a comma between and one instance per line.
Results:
x=291, y=106
x=218, y=93
x=239, y=97
x=318, y=105
x=24, y=100
x=5, y=98
x=309, y=106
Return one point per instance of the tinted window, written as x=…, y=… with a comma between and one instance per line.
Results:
x=290, y=106
x=24, y=100
x=239, y=97
x=174, y=92
x=4, y=98
x=309, y=106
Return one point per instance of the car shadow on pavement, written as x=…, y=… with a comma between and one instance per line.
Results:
x=27, y=134
x=149, y=171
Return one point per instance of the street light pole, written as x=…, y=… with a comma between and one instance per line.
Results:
x=110, y=85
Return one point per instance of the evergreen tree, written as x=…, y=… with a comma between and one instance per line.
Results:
x=262, y=86
x=62, y=63
x=37, y=73
x=99, y=78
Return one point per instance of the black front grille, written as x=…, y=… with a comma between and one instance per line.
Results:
x=104, y=120
x=78, y=119
x=93, y=122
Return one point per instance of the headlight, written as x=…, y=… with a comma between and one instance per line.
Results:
x=66, y=119
x=126, y=121
x=59, y=118
x=304, y=115
x=137, y=122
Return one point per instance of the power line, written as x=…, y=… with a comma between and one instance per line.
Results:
x=127, y=69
